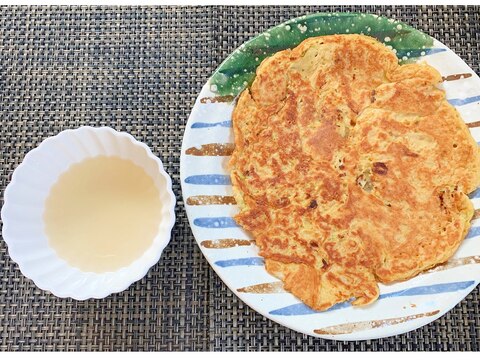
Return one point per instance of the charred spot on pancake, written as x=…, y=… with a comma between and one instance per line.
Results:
x=380, y=168
x=313, y=204
x=324, y=264
x=446, y=199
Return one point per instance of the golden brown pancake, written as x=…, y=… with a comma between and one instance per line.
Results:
x=350, y=169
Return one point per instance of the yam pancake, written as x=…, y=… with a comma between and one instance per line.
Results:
x=350, y=169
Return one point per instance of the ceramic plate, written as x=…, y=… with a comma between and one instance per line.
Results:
x=207, y=192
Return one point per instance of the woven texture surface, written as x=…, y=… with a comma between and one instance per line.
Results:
x=139, y=70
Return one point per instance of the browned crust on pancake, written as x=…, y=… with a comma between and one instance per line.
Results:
x=349, y=169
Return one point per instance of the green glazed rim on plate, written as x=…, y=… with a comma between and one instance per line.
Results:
x=238, y=70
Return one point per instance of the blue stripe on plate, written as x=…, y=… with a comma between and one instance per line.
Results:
x=474, y=231
x=215, y=222
x=430, y=289
x=302, y=309
x=418, y=52
x=464, y=101
x=209, y=179
x=240, y=262
x=474, y=194
x=201, y=125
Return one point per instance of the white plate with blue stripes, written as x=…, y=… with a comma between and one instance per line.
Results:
x=207, y=191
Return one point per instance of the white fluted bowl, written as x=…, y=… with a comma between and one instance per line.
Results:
x=22, y=212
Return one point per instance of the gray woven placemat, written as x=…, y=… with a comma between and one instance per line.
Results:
x=140, y=70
